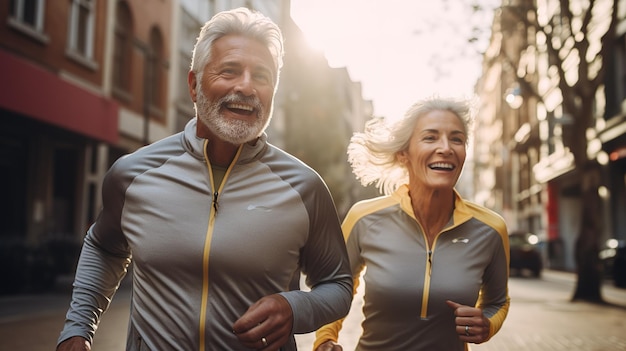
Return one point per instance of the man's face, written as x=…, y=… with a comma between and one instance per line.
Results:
x=234, y=98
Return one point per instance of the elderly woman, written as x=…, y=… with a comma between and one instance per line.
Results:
x=436, y=264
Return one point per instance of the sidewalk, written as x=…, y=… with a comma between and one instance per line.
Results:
x=541, y=317
x=537, y=321
x=610, y=293
x=554, y=323
x=58, y=299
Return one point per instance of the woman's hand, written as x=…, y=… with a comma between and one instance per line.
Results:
x=471, y=325
x=329, y=346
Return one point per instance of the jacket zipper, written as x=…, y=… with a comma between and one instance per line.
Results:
x=207, y=243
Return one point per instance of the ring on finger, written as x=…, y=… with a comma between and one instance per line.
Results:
x=264, y=341
x=467, y=333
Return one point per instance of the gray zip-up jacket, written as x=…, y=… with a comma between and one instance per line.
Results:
x=202, y=255
x=407, y=282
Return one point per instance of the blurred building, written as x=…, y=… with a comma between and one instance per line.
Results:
x=57, y=111
x=318, y=109
x=525, y=165
x=87, y=81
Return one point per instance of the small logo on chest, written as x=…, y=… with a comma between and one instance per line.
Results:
x=252, y=207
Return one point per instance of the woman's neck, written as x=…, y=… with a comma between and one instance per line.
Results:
x=432, y=209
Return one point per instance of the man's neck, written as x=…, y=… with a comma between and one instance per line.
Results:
x=221, y=153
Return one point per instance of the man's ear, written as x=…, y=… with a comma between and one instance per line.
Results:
x=193, y=85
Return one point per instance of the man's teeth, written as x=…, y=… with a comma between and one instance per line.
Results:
x=240, y=107
x=442, y=165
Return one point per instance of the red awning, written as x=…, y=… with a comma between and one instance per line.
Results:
x=34, y=92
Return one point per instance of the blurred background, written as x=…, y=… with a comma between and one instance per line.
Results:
x=85, y=82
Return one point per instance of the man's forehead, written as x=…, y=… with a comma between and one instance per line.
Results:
x=237, y=48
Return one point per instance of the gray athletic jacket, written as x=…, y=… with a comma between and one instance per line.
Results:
x=407, y=282
x=201, y=256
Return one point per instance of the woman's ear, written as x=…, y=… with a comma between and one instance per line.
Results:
x=401, y=157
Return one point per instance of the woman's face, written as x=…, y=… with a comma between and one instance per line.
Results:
x=436, y=151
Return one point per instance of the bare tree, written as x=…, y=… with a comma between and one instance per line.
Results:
x=577, y=37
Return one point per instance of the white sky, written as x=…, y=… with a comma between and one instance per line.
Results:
x=400, y=50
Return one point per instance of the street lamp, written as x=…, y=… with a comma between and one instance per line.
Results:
x=513, y=96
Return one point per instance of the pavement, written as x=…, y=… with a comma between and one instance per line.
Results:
x=542, y=317
x=548, y=320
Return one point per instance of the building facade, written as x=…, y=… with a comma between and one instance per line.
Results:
x=87, y=81
x=532, y=128
x=56, y=113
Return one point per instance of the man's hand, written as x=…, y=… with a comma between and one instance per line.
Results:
x=471, y=325
x=266, y=325
x=75, y=343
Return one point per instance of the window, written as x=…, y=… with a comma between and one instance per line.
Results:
x=182, y=91
x=82, y=30
x=620, y=53
x=27, y=16
x=122, y=51
x=154, y=70
x=615, y=78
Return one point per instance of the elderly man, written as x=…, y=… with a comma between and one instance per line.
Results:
x=218, y=222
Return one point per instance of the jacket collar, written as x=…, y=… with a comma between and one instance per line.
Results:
x=194, y=145
x=460, y=214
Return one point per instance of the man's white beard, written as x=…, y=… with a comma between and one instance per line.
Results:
x=234, y=131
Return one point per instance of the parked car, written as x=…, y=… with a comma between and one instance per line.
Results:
x=613, y=257
x=525, y=253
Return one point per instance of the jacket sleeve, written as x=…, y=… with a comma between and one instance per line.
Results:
x=331, y=331
x=494, y=297
x=98, y=276
x=102, y=264
x=324, y=261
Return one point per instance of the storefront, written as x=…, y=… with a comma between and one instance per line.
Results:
x=51, y=132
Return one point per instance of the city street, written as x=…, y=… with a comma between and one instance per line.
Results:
x=541, y=318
